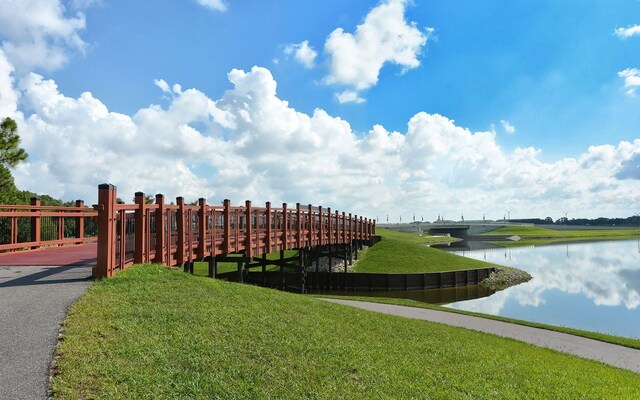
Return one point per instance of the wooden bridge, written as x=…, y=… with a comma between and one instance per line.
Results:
x=47, y=235
x=112, y=236
x=177, y=234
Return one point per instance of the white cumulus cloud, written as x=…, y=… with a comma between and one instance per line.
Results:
x=251, y=144
x=631, y=78
x=384, y=37
x=303, y=53
x=625, y=33
x=217, y=5
x=506, y=125
x=39, y=34
x=349, y=96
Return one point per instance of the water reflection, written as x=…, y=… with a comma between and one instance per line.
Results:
x=594, y=286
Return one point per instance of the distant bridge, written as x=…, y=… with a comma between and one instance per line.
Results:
x=456, y=229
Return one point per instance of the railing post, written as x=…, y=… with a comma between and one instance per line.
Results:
x=337, y=227
x=350, y=228
x=106, y=230
x=344, y=228
x=330, y=228
x=202, y=228
x=311, y=232
x=320, y=228
x=160, y=228
x=364, y=228
x=248, y=249
x=180, y=251
x=285, y=228
x=139, y=226
x=35, y=223
x=80, y=223
x=367, y=229
x=268, y=231
x=226, y=240
x=299, y=225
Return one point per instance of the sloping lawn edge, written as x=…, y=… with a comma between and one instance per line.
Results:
x=603, y=337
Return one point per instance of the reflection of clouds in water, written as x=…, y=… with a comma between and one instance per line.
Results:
x=606, y=272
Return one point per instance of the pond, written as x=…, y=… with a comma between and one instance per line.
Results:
x=593, y=286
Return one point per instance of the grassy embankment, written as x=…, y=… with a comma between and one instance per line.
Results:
x=534, y=235
x=603, y=337
x=405, y=252
x=400, y=252
x=152, y=332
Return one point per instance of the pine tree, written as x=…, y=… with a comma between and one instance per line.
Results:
x=10, y=155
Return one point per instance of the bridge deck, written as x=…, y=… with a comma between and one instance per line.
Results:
x=66, y=255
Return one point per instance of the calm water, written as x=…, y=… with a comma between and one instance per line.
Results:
x=592, y=286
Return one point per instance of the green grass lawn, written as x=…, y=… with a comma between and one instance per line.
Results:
x=534, y=232
x=603, y=337
x=400, y=252
x=152, y=332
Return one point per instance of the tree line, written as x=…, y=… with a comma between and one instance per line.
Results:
x=600, y=221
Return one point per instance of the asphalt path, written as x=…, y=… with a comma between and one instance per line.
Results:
x=618, y=356
x=33, y=303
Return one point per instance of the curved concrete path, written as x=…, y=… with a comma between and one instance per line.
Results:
x=33, y=303
x=618, y=356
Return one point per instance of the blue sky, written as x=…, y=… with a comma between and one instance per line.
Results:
x=507, y=101
x=547, y=67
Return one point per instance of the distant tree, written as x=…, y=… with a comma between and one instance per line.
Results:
x=10, y=152
x=148, y=199
x=10, y=155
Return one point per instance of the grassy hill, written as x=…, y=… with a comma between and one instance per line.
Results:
x=400, y=252
x=535, y=232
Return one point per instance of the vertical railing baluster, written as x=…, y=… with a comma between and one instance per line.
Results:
x=248, y=248
x=202, y=228
x=139, y=231
x=180, y=242
x=226, y=238
x=160, y=228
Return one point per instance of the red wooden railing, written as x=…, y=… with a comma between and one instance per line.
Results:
x=181, y=233
x=31, y=227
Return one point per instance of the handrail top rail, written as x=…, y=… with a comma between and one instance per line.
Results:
x=44, y=208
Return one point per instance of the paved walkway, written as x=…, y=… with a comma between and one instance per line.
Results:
x=33, y=303
x=618, y=356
